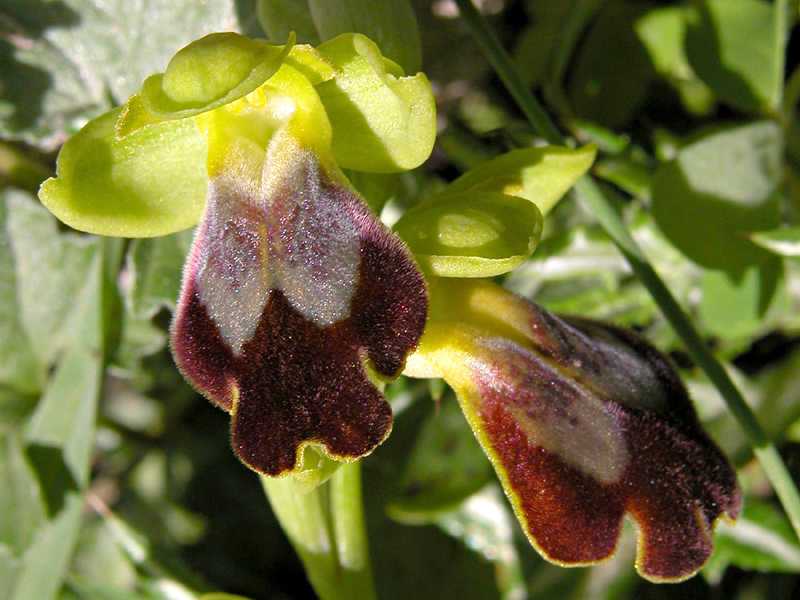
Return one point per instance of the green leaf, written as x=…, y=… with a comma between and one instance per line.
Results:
x=389, y=23
x=445, y=467
x=45, y=563
x=156, y=267
x=51, y=274
x=471, y=234
x=150, y=182
x=18, y=365
x=76, y=59
x=22, y=510
x=599, y=89
x=736, y=307
x=541, y=175
x=760, y=540
x=65, y=417
x=720, y=188
x=734, y=48
x=382, y=121
x=280, y=17
x=784, y=241
x=663, y=32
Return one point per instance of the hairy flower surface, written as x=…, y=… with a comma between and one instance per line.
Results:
x=294, y=295
x=583, y=423
x=296, y=301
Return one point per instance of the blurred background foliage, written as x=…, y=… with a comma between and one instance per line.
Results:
x=116, y=479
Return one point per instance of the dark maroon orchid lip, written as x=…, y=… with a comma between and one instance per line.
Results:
x=584, y=423
x=287, y=296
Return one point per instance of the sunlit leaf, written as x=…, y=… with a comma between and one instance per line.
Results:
x=784, y=241
x=471, y=234
x=734, y=48
x=719, y=189
x=383, y=121
x=540, y=175
x=151, y=182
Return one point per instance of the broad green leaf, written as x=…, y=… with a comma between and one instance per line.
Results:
x=389, y=23
x=65, y=417
x=761, y=540
x=18, y=365
x=733, y=47
x=156, y=266
x=22, y=511
x=784, y=241
x=44, y=564
x=280, y=17
x=663, y=32
x=737, y=306
x=719, y=189
x=541, y=175
x=382, y=121
x=60, y=438
x=445, y=467
x=150, y=182
x=52, y=270
x=471, y=234
x=537, y=44
x=600, y=88
x=220, y=596
x=76, y=58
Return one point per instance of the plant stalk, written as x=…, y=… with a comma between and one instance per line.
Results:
x=603, y=209
x=326, y=528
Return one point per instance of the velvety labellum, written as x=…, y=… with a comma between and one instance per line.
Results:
x=291, y=287
x=584, y=423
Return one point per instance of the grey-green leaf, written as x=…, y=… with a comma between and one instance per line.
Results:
x=156, y=266
x=76, y=58
x=19, y=368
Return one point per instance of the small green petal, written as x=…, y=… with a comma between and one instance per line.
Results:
x=541, y=175
x=208, y=73
x=472, y=234
x=382, y=121
x=152, y=182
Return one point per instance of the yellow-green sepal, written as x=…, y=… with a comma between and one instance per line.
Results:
x=541, y=175
x=149, y=183
x=471, y=234
x=383, y=121
x=208, y=73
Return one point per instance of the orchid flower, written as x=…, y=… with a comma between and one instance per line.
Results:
x=296, y=300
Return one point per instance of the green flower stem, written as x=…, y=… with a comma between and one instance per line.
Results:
x=326, y=528
x=603, y=209
x=347, y=512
